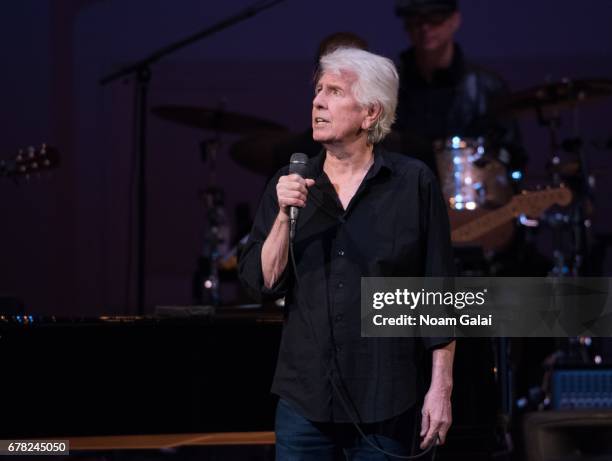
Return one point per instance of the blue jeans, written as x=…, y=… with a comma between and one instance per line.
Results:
x=299, y=439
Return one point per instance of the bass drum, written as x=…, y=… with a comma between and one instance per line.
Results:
x=473, y=183
x=471, y=177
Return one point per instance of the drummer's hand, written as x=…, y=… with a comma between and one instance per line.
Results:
x=292, y=190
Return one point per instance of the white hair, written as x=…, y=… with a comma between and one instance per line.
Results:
x=377, y=83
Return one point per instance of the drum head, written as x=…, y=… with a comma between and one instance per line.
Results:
x=471, y=177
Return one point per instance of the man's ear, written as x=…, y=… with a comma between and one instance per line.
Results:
x=374, y=113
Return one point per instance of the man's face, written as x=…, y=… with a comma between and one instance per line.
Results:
x=432, y=31
x=337, y=117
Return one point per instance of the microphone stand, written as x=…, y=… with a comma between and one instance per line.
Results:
x=142, y=70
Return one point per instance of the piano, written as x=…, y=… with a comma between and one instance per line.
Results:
x=138, y=375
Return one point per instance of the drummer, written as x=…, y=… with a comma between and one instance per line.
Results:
x=442, y=94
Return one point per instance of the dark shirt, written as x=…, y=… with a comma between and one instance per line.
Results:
x=459, y=101
x=395, y=225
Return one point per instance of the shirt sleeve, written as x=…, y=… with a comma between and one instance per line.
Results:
x=249, y=264
x=438, y=247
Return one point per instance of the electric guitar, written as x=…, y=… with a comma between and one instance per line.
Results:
x=493, y=229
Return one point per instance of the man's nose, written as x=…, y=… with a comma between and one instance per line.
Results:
x=318, y=100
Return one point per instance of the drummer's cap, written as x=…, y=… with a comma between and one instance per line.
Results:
x=413, y=7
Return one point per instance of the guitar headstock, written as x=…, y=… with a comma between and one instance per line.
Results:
x=534, y=203
x=30, y=161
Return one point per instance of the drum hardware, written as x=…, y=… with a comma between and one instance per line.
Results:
x=206, y=288
x=570, y=226
x=568, y=94
x=254, y=151
x=217, y=120
x=569, y=172
x=554, y=96
x=257, y=151
x=546, y=102
x=142, y=73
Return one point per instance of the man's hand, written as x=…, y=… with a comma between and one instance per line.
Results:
x=292, y=190
x=436, y=417
x=437, y=412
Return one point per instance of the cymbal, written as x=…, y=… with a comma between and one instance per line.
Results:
x=215, y=119
x=555, y=96
x=258, y=152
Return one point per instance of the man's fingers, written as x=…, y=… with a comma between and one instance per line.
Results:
x=442, y=435
x=424, y=423
x=293, y=179
x=292, y=202
x=443, y=430
x=428, y=440
x=436, y=429
x=290, y=194
x=310, y=182
x=292, y=190
x=292, y=187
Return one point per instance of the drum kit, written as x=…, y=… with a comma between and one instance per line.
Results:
x=481, y=193
x=217, y=256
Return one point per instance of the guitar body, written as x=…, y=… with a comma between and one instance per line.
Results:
x=491, y=240
x=494, y=229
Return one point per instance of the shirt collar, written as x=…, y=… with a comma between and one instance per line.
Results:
x=381, y=164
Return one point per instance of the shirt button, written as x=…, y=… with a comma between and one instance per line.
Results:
x=338, y=348
x=339, y=317
x=340, y=284
x=340, y=252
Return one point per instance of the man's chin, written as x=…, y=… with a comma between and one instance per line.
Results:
x=319, y=137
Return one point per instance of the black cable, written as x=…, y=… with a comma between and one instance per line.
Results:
x=343, y=401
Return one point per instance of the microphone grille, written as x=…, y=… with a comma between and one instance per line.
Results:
x=298, y=163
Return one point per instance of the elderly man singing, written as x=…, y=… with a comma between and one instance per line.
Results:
x=364, y=212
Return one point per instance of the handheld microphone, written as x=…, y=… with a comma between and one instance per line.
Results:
x=297, y=165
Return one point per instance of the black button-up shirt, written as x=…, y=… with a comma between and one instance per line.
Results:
x=395, y=225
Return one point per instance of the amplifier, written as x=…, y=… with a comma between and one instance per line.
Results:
x=582, y=388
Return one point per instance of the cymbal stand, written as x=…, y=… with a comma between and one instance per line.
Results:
x=216, y=239
x=552, y=123
x=142, y=70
